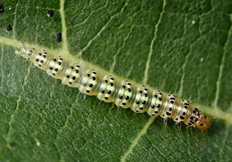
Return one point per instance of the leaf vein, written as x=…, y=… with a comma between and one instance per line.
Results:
x=137, y=138
x=215, y=103
x=102, y=29
x=163, y=155
x=223, y=143
x=92, y=13
x=152, y=43
x=17, y=107
x=64, y=28
x=120, y=48
x=15, y=13
x=103, y=149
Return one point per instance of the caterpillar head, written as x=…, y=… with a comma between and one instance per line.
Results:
x=203, y=123
x=25, y=52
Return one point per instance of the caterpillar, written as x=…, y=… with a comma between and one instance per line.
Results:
x=122, y=93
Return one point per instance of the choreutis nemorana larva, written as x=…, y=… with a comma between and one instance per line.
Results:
x=122, y=93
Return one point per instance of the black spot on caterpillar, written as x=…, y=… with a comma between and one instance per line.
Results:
x=122, y=93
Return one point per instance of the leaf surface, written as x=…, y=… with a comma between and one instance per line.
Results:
x=180, y=47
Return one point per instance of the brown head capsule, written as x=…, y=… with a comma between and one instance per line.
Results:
x=203, y=123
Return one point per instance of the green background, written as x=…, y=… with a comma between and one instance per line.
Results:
x=183, y=47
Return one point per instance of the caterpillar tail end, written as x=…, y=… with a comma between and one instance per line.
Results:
x=203, y=123
x=22, y=50
x=25, y=52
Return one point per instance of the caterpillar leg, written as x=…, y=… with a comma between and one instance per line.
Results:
x=117, y=107
x=178, y=126
x=165, y=122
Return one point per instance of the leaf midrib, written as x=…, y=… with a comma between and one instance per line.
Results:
x=217, y=113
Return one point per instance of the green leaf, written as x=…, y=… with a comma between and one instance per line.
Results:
x=179, y=47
